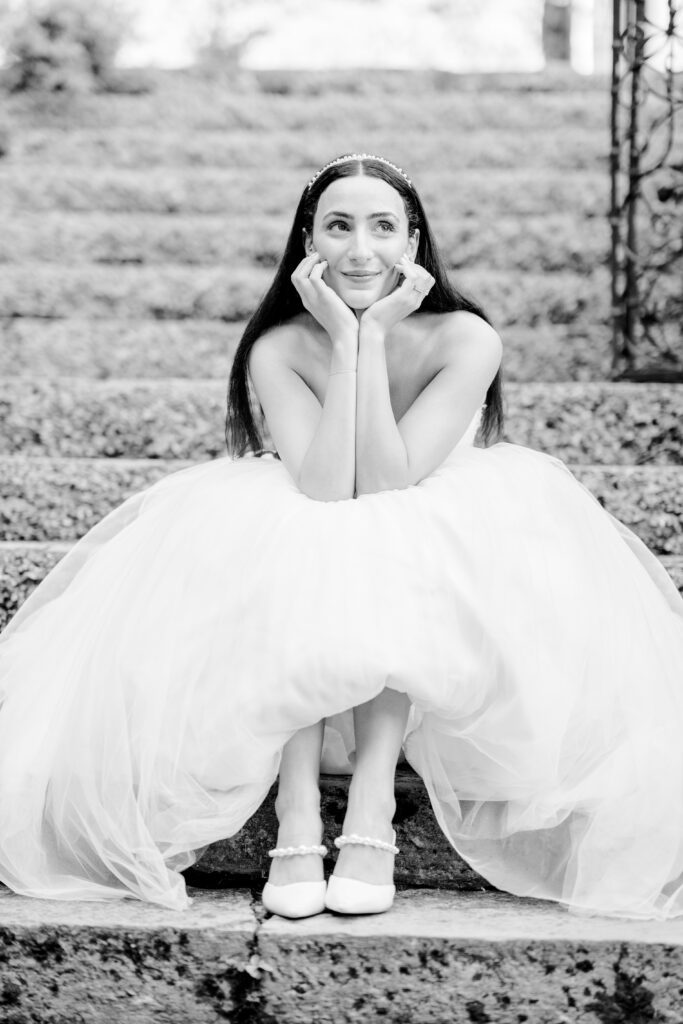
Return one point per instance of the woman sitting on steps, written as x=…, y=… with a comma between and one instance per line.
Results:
x=381, y=584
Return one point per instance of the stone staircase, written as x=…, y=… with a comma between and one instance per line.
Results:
x=137, y=235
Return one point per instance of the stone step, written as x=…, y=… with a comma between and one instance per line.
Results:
x=311, y=145
x=426, y=858
x=450, y=195
x=550, y=242
x=455, y=103
x=24, y=564
x=176, y=292
x=48, y=499
x=601, y=423
x=435, y=957
x=134, y=349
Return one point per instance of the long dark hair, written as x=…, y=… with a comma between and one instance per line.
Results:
x=282, y=302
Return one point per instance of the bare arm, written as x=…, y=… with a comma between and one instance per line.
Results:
x=316, y=443
x=394, y=455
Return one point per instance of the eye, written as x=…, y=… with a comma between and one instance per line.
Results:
x=386, y=226
x=337, y=224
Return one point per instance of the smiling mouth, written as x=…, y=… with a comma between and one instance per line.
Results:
x=361, y=276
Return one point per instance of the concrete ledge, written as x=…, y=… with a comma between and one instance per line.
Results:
x=447, y=957
x=120, y=961
x=48, y=499
x=600, y=423
x=434, y=957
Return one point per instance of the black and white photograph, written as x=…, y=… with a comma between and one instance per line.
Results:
x=341, y=511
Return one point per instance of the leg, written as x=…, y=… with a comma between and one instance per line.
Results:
x=379, y=727
x=297, y=806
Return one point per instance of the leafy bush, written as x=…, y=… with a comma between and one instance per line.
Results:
x=602, y=424
x=65, y=46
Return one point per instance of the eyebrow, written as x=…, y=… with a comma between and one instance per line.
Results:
x=348, y=216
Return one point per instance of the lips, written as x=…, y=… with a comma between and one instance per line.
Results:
x=361, y=275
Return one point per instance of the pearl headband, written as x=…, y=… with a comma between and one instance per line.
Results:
x=358, y=156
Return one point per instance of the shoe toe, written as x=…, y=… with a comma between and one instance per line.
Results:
x=298, y=899
x=350, y=896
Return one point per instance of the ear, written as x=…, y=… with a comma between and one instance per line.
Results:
x=413, y=243
x=308, y=243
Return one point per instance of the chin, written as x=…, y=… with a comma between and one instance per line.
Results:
x=358, y=303
x=360, y=298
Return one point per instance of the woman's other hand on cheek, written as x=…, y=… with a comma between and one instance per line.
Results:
x=405, y=299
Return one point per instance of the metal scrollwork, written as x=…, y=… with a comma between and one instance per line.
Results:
x=646, y=203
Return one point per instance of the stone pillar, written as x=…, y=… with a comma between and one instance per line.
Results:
x=582, y=36
x=602, y=36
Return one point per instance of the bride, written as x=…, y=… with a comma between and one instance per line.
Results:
x=376, y=585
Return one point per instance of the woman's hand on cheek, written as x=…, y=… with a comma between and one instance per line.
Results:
x=405, y=299
x=321, y=301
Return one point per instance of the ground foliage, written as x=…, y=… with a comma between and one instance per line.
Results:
x=42, y=498
x=597, y=423
x=133, y=349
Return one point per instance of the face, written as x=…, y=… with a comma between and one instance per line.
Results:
x=361, y=229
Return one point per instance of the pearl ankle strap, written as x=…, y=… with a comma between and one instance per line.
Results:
x=366, y=841
x=292, y=851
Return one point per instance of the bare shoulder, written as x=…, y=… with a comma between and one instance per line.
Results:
x=278, y=345
x=274, y=345
x=463, y=337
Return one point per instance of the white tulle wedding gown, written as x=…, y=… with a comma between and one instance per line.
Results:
x=148, y=685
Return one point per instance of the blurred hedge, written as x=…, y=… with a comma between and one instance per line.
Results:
x=488, y=194
x=173, y=292
x=21, y=570
x=268, y=101
x=543, y=243
x=118, y=348
x=308, y=146
x=47, y=499
x=59, y=499
x=599, y=423
x=204, y=348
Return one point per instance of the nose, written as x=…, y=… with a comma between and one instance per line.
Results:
x=359, y=246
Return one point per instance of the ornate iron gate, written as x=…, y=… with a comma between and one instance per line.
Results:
x=646, y=207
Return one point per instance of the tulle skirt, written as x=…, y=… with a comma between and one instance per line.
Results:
x=149, y=684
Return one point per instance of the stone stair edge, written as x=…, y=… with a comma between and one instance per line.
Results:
x=196, y=107
x=434, y=957
x=467, y=915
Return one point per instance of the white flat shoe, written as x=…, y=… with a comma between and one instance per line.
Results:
x=297, y=899
x=351, y=896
